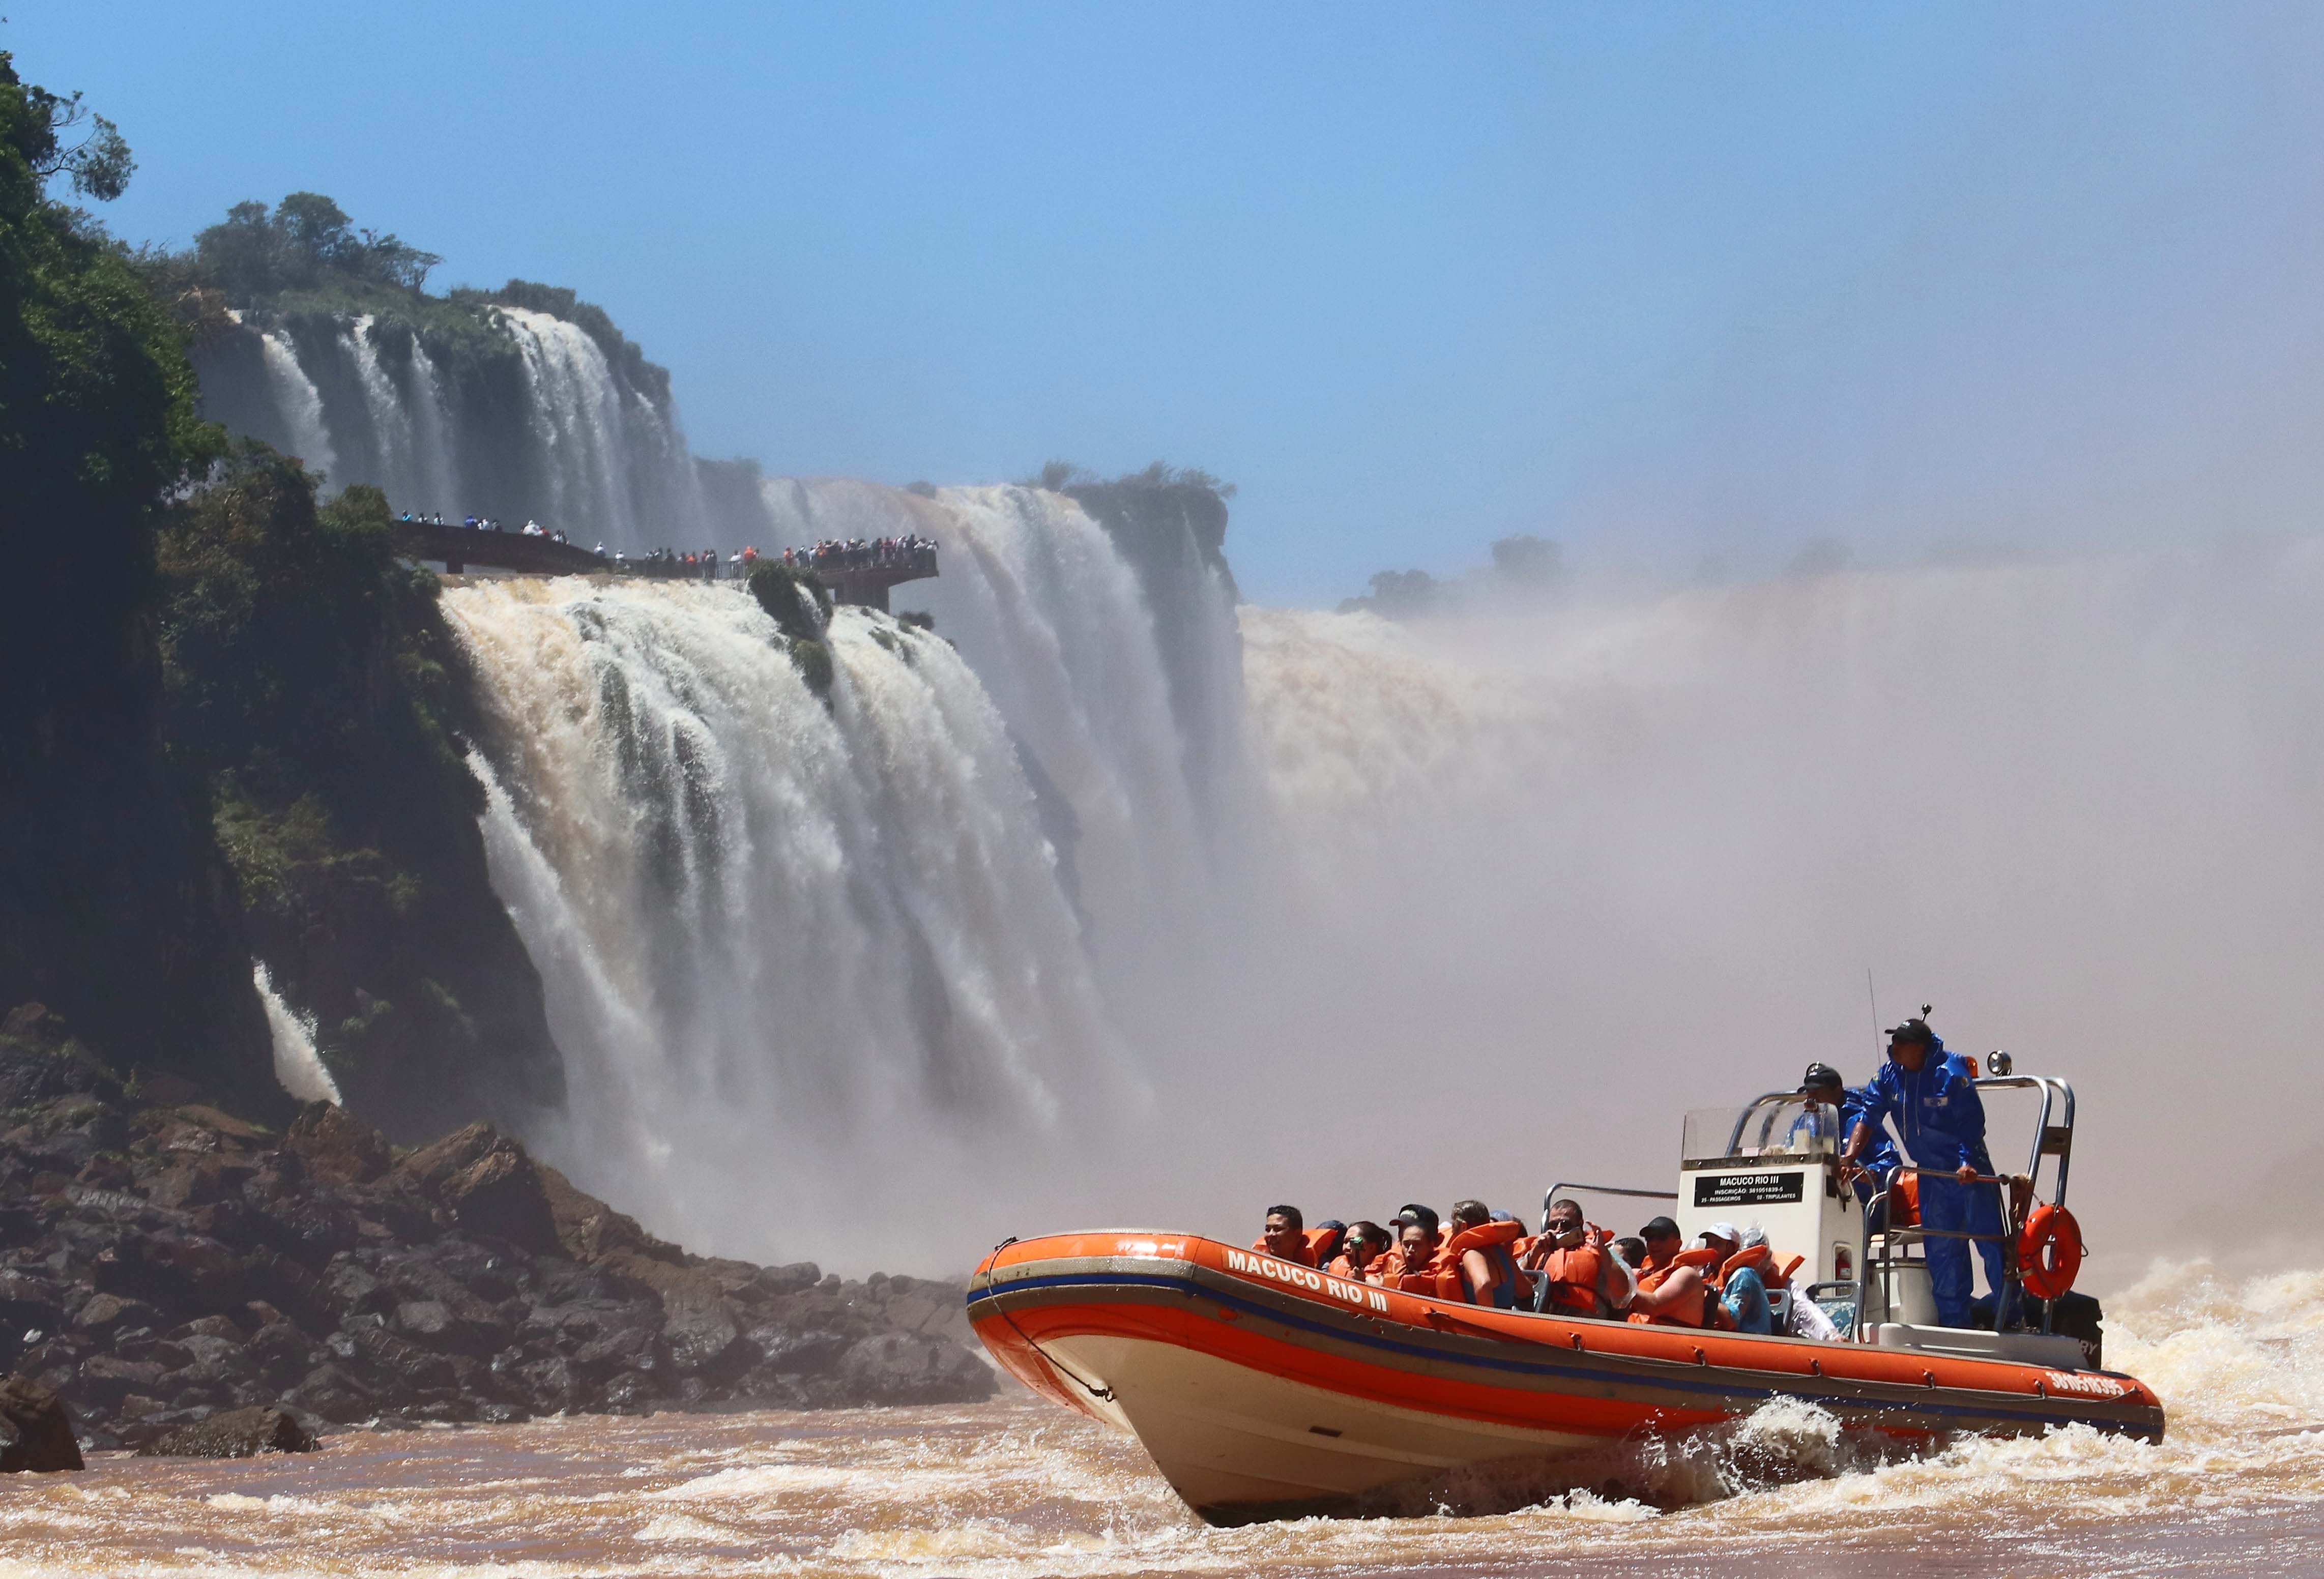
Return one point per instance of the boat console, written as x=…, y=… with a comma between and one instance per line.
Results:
x=1774, y=1163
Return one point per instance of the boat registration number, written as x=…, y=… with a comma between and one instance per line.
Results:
x=1749, y=1189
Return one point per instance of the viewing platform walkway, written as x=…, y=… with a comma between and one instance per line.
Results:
x=863, y=575
x=858, y=576
x=457, y=548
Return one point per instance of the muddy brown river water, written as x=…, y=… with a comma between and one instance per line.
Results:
x=1016, y=1488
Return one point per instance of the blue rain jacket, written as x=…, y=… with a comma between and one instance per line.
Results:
x=1937, y=1111
x=1879, y=1151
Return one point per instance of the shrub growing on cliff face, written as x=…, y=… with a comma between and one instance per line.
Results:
x=796, y=600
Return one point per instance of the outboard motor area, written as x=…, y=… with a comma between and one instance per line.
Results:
x=1771, y=1168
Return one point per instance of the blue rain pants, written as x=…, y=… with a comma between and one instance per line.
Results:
x=1947, y=1203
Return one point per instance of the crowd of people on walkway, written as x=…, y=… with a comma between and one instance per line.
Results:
x=832, y=556
x=486, y=524
x=1728, y=1278
x=910, y=551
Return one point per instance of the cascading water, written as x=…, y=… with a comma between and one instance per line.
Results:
x=396, y=467
x=810, y=966
x=435, y=438
x=1055, y=623
x=297, y=1065
x=617, y=465
x=298, y=403
x=535, y=421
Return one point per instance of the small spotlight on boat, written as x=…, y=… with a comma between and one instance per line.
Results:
x=1996, y=1063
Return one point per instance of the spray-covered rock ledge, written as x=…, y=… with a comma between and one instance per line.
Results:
x=161, y=1261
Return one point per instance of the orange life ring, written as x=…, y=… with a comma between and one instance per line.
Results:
x=2050, y=1251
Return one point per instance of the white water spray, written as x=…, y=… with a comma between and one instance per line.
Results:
x=299, y=403
x=297, y=1065
x=1598, y=866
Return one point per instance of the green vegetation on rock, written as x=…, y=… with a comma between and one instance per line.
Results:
x=314, y=690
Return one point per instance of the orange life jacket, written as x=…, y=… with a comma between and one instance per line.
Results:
x=1494, y=1239
x=1572, y=1279
x=1705, y=1261
x=1319, y=1241
x=1305, y=1256
x=1904, y=1201
x=1775, y=1274
x=1396, y=1272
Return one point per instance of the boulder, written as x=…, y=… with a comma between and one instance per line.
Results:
x=337, y=1149
x=902, y=1368
x=334, y=1393
x=110, y=1378
x=791, y=1353
x=104, y=1315
x=589, y=1230
x=490, y=1185
x=36, y=1432
x=234, y=1433
x=704, y=1338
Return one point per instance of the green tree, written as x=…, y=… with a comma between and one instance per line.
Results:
x=308, y=243
x=115, y=908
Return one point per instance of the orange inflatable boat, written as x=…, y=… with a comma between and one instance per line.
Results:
x=1268, y=1389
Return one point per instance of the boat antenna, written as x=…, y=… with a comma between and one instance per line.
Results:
x=1874, y=999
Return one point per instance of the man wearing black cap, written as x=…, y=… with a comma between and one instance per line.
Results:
x=1932, y=1094
x=1877, y=1158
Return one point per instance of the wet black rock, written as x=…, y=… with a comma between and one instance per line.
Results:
x=36, y=1433
x=192, y=1266
x=234, y=1433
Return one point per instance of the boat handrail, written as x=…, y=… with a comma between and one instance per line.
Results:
x=1550, y=1195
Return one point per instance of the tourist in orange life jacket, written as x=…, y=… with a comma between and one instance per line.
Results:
x=1673, y=1290
x=1478, y=1264
x=1286, y=1237
x=1323, y=1241
x=1743, y=1290
x=1361, y=1249
x=1418, y=1254
x=1573, y=1270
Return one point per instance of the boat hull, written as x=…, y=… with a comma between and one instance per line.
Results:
x=1266, y=1389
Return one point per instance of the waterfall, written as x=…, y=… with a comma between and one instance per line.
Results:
x=299, y=403
x=436, y=439
x=297, y=1065
x=391, y=433
x=810, y=966
x=616, y=462
x=1055, y=623
x=536, y=423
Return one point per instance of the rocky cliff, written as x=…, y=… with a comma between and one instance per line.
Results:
x=161, y=1260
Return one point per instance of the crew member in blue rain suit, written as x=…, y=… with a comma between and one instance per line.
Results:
x=1875, y=1169
x=1931, y=1094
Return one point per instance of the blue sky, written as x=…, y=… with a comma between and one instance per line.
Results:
x=1674, y=285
